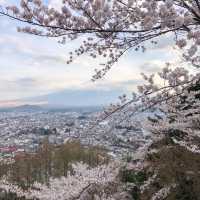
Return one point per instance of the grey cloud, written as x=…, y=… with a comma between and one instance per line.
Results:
x=123, y=86
x=150, y=67
x=49, y=58
x=26, y=82
x=20, y=88
x=130, y=82
x=15, y=45
x=18, y=84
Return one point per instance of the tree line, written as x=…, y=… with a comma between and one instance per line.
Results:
x=51, y=161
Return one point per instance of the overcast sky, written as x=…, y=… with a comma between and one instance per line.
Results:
x=31, y=66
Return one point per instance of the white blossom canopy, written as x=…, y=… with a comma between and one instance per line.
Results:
x=112, y=27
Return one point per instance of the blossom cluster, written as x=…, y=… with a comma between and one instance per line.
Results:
x=113, y=27
x=70, y=187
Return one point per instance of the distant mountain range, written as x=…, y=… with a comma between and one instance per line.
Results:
x=67, y=99
x=22, y=108
x=45, y=108
x=79, y=98
x=27, y=108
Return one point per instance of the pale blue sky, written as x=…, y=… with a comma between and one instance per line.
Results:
x=31, y=66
